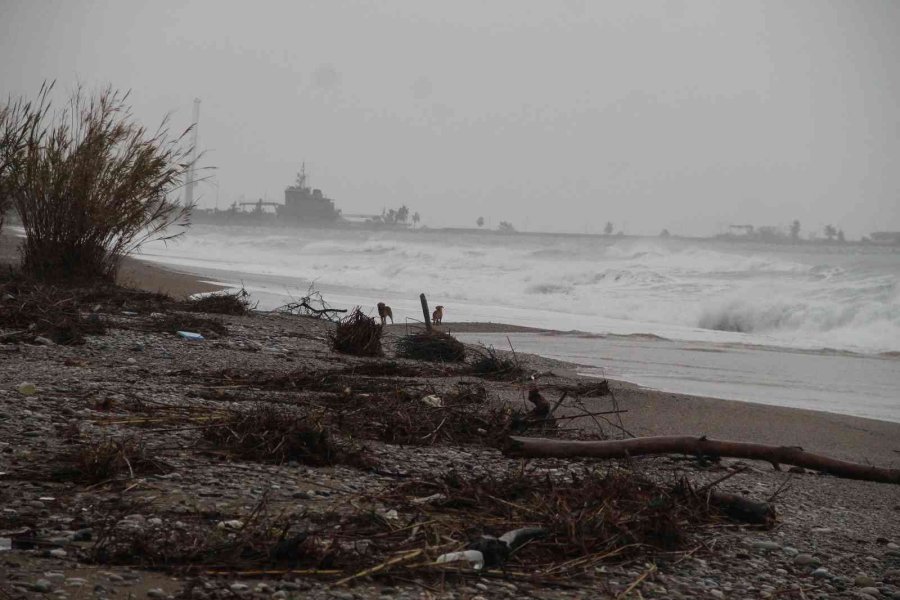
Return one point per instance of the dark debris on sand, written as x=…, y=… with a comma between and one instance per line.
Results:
x=434, y=346
x=358, y=334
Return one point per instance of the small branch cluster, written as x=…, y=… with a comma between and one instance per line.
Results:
x=312, y=305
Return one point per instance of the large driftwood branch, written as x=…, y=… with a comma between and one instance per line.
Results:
x=321, y=311
x=788, y=455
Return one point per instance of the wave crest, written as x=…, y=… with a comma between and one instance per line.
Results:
x=741, y=317
x=859, y=322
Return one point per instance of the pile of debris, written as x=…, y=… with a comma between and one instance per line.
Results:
x=43, y=313
x=273, y=433
x=432, y=346
x=236, y=303
x=384, y=408
x=358, y=334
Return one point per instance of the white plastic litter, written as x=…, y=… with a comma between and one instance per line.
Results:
x=190, y=336
x=517, y=537
x=434, y=401
x=429, y=499
x=473, y=557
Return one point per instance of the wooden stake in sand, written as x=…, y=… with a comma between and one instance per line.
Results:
x=702, y=446
x=425, y=312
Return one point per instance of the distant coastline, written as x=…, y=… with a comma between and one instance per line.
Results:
x=225, y=218
x=248, y=219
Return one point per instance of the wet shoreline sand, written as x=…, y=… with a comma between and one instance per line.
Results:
x=134, y=273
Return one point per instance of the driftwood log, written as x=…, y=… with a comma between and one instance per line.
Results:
x=701, y=446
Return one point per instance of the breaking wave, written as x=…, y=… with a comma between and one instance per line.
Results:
x=839, y=311
x=811, y=297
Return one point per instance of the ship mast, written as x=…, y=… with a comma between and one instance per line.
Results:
x=301, y=176
x=189, y=184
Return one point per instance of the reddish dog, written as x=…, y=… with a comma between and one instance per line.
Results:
x=384, y=311
x=438, y=315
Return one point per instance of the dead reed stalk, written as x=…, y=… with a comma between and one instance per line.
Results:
x=32, y=309
x=492, y=365
x=96, y=460
x=16, y=119
x=271, y=433
x=588, y=518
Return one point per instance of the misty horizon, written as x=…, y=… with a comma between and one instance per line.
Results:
x=552, y=116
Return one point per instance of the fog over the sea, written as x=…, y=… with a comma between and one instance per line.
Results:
x=554, y=115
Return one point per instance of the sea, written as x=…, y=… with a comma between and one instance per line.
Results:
x=807, y=326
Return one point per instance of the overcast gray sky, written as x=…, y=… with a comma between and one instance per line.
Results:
x=555, y=115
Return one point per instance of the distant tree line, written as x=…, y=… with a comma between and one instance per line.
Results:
x=777, y=235
x=397, y=216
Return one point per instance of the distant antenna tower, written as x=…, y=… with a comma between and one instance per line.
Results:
x=189, y=185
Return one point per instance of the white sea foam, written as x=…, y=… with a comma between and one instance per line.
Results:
x=807, y=297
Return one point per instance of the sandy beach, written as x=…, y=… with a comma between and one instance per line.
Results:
x=141, y=380
x=653, y=412
x=134, y=273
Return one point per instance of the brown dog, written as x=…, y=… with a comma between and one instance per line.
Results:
x=438, y=315
x=384, y=311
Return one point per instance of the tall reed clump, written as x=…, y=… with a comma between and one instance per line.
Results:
x=91, y=185
x=16, y=119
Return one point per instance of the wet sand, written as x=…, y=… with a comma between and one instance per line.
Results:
x=153, y=278
x=133, y=273
x=655, y=412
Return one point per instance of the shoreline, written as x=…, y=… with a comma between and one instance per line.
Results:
x=273, y=287
x=840, y=435
x=724, y=239
x=152, y=277
x=133, y=272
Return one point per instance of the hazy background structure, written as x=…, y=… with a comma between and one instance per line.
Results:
x=558, y=116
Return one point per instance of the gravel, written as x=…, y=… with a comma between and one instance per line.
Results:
x=834, y=538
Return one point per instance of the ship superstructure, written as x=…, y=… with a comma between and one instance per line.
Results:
x=305, y=204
